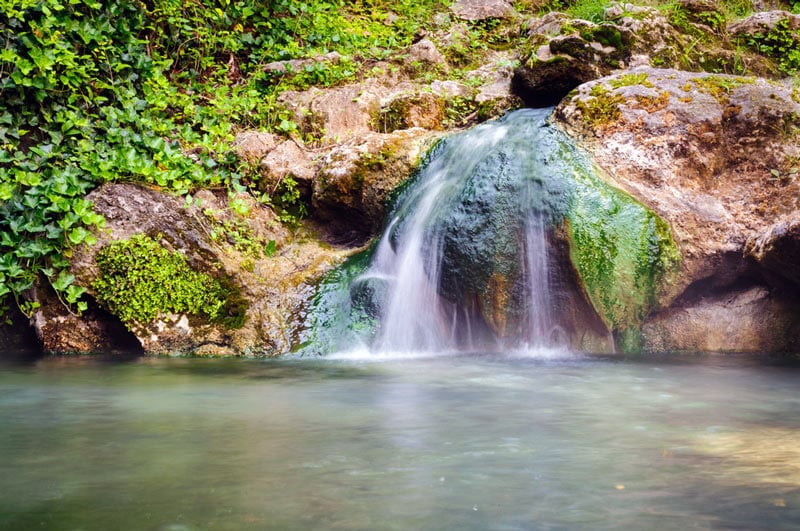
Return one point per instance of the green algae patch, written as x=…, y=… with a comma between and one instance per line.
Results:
x=342, y=313
x=140, y=279
x=623, y=252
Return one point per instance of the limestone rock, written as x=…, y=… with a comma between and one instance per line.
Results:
x=217, y=240
x=287, y=159
x=59, y=330
x=778, y=248
x=476, y=10
x=703, y=152
x=424, y=55
x=749, y=320
x=764, y=22
x=356, y=179
x=252, y=146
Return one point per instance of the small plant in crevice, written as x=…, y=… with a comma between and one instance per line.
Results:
x=781, y=44
x=140, y=279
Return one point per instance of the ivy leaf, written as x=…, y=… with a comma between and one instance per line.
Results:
x=63, y=281
x=78, y=235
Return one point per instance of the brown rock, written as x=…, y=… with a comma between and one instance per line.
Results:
x=764, y=22
x=778, y=248
x=252, y=146
x=217, y=240
x=702, y=151
x=287, y=159
x=749, y=320
x=423, y=55
x=355, y=180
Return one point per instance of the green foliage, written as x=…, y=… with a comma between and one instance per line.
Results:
x=152, y=92
x=781, y=44
x=64, y=69
x=601, y=107
x=140, y=279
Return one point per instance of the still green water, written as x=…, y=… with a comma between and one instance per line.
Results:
x=451, y=442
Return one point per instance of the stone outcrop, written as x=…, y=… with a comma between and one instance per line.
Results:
x=561, y=52
x=716, y=157
x=753, y=319
x=476, y=10
x=777, y=249
x=216, y=239
x=356, y=178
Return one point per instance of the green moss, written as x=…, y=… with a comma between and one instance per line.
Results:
x=601, y=108
x=623, y=252
x=720, y=87
x=140, y=279
x=605, y=34
x=627, y=80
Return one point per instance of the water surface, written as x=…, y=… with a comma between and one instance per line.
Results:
x=462, y=441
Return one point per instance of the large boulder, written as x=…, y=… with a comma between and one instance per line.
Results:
x=716, y=157
x=267, y=275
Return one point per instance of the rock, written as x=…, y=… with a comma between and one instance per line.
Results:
x=764, y=22
x=450, y=89
x=61, y=331
x=703, y=12
x=288, y=159
x=702, y=151
x=424, y=110
x=333, y=115
x=477, y=10
x=252, y=146
x=297, y=65
x=769, y=5
x=778, y=248
x=748, y=320
x=423, y=55
x=565, y=53
x=562, y=53
x=356, y=179
x=271, y=285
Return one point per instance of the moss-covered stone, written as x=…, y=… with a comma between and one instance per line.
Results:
x=140, y=280
x=623, y=252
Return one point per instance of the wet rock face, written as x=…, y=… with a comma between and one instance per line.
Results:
x=715, y=156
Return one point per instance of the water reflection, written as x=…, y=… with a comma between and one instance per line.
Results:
x=458, y=441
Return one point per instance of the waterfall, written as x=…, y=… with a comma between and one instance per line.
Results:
x=442, y=292
x=506, y=239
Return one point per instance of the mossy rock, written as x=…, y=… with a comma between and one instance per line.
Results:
x=141, y=280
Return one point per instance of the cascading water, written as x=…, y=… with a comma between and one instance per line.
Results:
x=463, y=263
x=424, y=310
x=496, y=245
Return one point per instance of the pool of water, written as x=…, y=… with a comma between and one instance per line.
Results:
x=463, y=441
